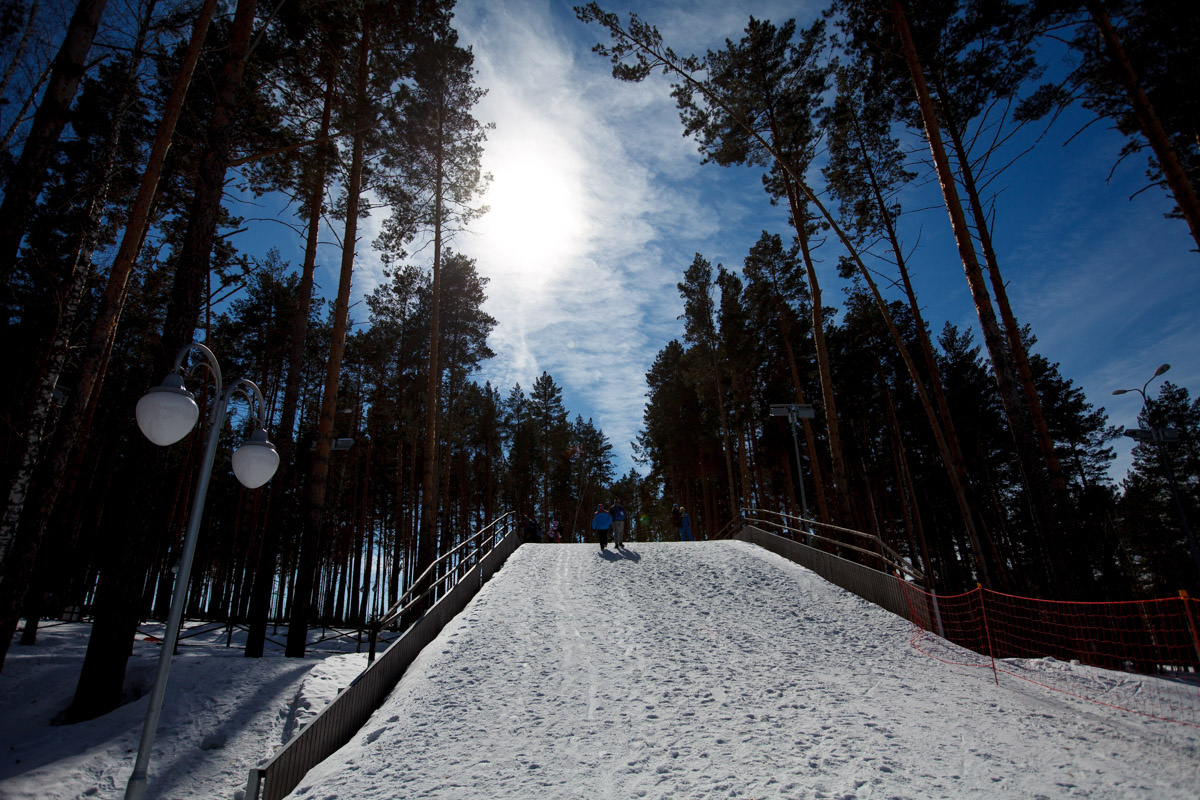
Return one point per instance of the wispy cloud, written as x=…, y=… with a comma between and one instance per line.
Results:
x=588, y=294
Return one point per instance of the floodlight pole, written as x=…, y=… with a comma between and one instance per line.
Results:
x=795, y=412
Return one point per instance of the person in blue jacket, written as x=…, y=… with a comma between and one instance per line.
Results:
x=685, y=526
x=618, y=524
x=601, y=522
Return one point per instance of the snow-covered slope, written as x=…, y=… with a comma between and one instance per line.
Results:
x=717, y=669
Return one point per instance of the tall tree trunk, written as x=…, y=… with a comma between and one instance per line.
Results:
x=20, y=571
x=743, y=463
x=116, y=620
x=83, y=399
x=25, y=183
x=1002, y=363
x=810, y=439
x=319, y=479
x=1012, y=330
x=721, y=415
x=1160, y=143
x=941, y=422
x=841, y=485
x=285, y=438
x=427, y=546
x=19, y=51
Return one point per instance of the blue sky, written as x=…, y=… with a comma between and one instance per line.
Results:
x=599, y=204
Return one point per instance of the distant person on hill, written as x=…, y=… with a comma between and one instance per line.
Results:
x=677, y=522
x=555, y=531
x=618, y=524
x=532, y=532
x=601, y=522
x=685, y=526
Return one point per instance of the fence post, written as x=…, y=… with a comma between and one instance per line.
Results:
x=254, y=784
x=1187, y=610
x=937, y=612
x=987, y=633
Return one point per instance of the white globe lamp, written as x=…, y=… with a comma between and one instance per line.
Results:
x=167, y=413
x=255, y=460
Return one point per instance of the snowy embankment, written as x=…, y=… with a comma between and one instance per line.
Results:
x=717, y=669
x=222, y=715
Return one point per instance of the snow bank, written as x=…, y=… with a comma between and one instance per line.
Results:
x=222, y=714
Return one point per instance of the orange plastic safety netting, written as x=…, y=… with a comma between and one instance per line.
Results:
x=1140, y=656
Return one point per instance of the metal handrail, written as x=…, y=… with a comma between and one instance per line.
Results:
x=885, y=553
x=400, y=607
x=729, y=529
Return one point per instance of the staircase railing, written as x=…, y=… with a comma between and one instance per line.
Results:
x=442, y=575
x=448, y=585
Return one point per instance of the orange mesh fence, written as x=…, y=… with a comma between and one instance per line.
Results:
x=1140, y=656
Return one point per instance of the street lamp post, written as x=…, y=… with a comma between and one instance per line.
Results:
x=165, y=415
x=796, y=412
x=1160, y=437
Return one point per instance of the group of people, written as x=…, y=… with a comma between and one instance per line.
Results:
x=532, y=532
x=612, y=519
x=607, y=521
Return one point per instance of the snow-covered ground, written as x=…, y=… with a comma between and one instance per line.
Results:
x=222, y=714
x=719, y=670
x=712, y=669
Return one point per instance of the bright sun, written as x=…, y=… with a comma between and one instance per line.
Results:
x=535, y=224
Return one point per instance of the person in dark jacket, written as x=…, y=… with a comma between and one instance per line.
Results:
x=601, y=522
x=618, y=524
x=677, y=521
x=532, y=532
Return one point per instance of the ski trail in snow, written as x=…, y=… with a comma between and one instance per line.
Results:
x=717, y=669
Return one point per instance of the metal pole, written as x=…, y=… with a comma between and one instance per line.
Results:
x=136, y=789
x=792, y=417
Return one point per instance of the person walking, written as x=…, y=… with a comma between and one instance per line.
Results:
x=601, y=522
x=555, y=532
x=618, y=524
x=677, y=522
x=685, y=526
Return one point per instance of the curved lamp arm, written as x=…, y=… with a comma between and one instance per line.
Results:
x=210, y=361
x=255, y=460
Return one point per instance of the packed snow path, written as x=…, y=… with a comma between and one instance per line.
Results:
x=717, y=669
